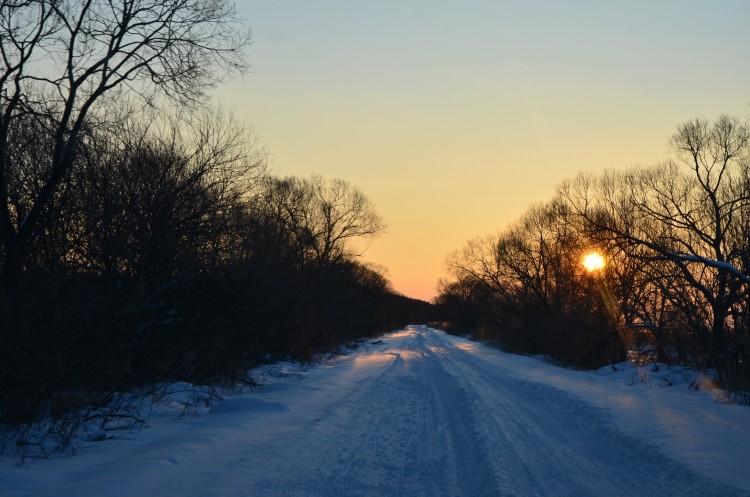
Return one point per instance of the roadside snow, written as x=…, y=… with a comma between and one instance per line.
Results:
x=421, y=413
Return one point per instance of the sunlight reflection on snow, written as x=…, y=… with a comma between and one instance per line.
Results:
x=408, y=355
x=401, y=334
x=373, y=360
x=381, y=359
x=467, y=347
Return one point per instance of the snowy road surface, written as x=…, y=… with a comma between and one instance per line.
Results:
x=421, y=413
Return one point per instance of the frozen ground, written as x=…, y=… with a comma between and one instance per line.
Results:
x=421, y=413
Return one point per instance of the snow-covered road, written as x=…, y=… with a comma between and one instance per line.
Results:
x=421, y=413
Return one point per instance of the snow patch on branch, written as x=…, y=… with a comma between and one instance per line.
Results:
x=722, y=265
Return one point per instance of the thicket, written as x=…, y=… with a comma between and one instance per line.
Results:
x=676, y=283
x=175, y=256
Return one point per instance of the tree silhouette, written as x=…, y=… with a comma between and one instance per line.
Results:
x=64, y=60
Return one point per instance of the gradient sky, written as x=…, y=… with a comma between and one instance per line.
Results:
x=455, y=117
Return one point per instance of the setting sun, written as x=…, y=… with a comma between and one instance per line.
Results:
x=593, y=262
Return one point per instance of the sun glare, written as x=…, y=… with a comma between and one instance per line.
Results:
x=593, y=262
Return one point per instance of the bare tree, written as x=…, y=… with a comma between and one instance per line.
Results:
x=62, y=59
x=147, y=199
x=681, y=226
x=323, y=217
x=534, y=262
x=338, y=215
x=531, y=277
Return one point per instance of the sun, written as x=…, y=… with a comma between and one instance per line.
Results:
x=593, y=262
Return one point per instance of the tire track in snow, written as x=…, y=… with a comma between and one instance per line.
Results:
x=440, y=421
x=550, y=443
x=420, y=415
x=405, y=432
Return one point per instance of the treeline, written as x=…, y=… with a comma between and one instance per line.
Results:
x=174, y=255
x=142, y=238
x=676, y=284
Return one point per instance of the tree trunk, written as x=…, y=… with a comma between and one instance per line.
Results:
x=12, y=263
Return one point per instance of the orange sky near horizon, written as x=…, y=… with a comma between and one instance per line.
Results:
x=455, y=118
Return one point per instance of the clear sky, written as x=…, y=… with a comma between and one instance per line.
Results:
x=454, y=117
